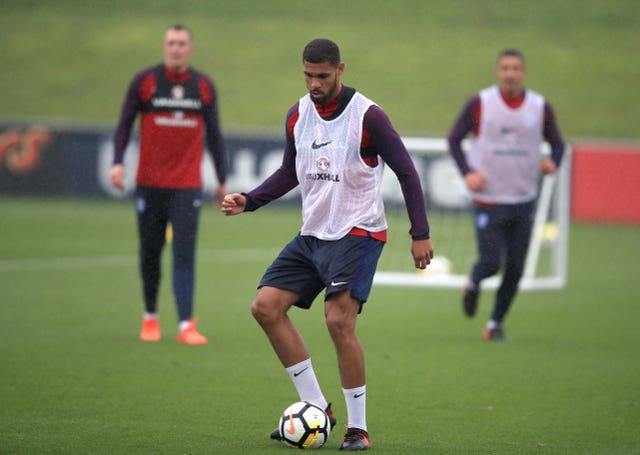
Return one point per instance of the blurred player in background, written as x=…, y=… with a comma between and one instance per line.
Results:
x=336, y=143
x=178, y=107
x=501, y=172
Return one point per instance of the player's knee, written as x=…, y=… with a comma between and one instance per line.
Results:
x=339, y=324
x=267, y=308
x=260, y=310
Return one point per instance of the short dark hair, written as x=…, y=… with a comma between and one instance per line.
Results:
x=321, y=50
x=180, y=28
x=511, y=52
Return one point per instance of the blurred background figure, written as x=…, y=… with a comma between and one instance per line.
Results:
x=502, y=173
x=178, y=107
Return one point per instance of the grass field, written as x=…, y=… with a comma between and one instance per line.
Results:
x=71, y=60
x=75, y=379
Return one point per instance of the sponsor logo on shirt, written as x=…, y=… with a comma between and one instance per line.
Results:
x=510, y=152
x=177, y=120
x=323, y=164
x=316, y=145
x=176, y=103
x=322, y=176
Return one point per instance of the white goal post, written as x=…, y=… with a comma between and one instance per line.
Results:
x=449, y=211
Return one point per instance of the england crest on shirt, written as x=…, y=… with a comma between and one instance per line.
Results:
x=177, y=92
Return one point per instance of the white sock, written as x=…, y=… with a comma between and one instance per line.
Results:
x=183, y=325
x=150, y=315
x=356, y=400
x=491, y=324
x=306, y=383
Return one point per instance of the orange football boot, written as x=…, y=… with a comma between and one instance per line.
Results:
x=190, y=335
x=150, y=330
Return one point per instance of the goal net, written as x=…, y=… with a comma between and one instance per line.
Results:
x=449, y=210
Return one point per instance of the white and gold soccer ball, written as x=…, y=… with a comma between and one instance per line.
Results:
x=304, y=425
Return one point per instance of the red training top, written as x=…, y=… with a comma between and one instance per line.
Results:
x=177, y=109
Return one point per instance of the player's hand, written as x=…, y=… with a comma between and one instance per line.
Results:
x=548, y=166
x=116, y=176
x=474, y=181
x=422, y=252
x=233, y=204
x=218, y=196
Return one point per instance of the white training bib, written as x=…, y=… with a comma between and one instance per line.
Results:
x=507, y=149
x=339, y=191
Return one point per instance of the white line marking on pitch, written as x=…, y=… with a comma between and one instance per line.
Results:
x=111, y=260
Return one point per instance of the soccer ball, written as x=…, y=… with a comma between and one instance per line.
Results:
x=304, y=425
x=439, y=265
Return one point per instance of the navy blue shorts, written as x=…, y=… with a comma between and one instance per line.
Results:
x=307, y=265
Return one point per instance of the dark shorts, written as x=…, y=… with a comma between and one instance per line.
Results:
x=308, y=265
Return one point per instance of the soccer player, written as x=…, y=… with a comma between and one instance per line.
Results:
x=178, y=105
x=501, y=173
x=337, y=142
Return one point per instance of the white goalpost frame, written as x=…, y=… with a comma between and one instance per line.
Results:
x=553, y=196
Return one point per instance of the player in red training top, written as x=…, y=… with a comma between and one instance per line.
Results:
x=337, y=143
x=178, y=107
x=501, y=172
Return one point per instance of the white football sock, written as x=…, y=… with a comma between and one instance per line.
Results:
x=491, y=324
x=183, y=325
x=306, y=383
x=150, y=315
x=356, y=400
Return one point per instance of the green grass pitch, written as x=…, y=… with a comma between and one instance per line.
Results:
x=75, y=379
